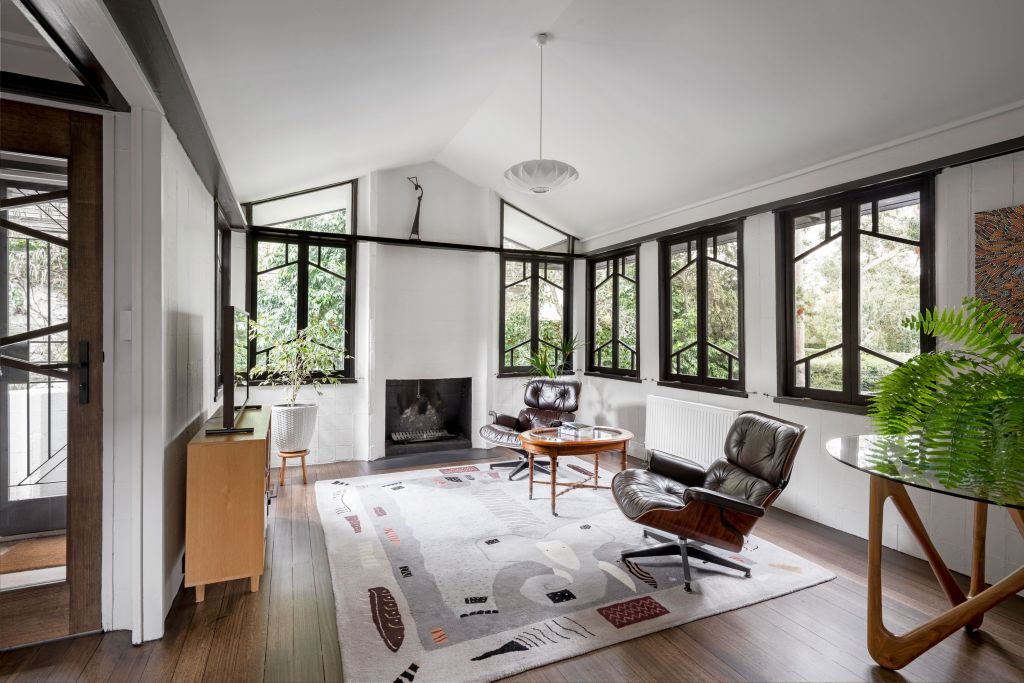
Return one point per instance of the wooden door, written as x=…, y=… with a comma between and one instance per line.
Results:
x=50, y=372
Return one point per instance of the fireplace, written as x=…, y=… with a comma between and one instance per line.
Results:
x=426, y=415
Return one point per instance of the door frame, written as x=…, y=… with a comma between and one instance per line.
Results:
x=73, y=606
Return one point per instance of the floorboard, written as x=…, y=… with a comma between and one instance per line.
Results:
x=287, y=631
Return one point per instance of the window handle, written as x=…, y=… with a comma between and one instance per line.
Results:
x=83, y=372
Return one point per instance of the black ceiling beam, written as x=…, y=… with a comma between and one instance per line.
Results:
x=48, y=89
x=145, y=31
x=49, y=19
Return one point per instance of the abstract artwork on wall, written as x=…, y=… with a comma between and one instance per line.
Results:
x=999, y=261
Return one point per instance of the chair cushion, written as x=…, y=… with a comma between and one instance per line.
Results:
x=500, y=436
x=550, y=394
x=727, y=478
x=640, y=491
x=534, y=418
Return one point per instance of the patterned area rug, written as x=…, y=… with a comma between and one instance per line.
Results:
x=453, y=574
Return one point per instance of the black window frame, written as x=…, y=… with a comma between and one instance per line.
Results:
x=304, y=240
x=616, y=260
x=536, y=259
x=700, y=382
x=848, y=203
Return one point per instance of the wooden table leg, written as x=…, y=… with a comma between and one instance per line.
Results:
x=622, y=465
x=554, y=476
x=529, y=461
x=896, y=651
x=200, y=593
x=597, y=471
x=978, y=559
x=254, y=584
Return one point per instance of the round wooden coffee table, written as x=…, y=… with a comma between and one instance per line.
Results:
x=550, y=443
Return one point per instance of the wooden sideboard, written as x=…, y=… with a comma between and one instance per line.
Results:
x=227, y=484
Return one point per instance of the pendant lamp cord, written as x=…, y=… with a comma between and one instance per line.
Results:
x=540, y=144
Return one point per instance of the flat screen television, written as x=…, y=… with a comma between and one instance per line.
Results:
x=234, y=359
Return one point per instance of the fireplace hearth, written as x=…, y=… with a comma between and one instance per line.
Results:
x=427, y=415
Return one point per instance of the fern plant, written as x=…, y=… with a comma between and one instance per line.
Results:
x=963, y=405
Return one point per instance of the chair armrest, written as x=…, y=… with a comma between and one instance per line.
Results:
x=722, y=500
x=686, y=472
x=503, y=420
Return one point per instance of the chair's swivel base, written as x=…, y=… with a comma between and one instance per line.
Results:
x=522, y=465
x=685, y=549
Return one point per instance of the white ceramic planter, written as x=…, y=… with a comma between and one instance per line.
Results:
x=293, y=426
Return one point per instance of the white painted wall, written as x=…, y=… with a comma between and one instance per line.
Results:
x=419, y=313
x=822, y=489
x=189, y=297
x=173, y=328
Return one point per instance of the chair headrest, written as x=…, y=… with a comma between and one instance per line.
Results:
x=551, y=394
x=764, y=446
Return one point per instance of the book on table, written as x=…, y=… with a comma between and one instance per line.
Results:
x=576, y=430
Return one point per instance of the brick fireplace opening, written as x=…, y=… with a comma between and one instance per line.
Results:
x=427, y=415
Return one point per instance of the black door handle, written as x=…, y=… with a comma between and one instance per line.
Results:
x=83, y=372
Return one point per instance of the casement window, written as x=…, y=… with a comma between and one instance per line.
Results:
x=612, y=311
x=702, y=308
x=851, y=268
x=536, y=311
x=293, y=283
x=302, y=267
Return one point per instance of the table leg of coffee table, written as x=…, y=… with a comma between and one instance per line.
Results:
x=529, y=461
x=554, y=476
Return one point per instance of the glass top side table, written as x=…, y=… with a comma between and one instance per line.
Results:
x=895, y=463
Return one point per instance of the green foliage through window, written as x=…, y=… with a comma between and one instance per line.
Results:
x=298, y=285
x=535, y=304
x=703, y=308
x=613, y=285
x=855, y=270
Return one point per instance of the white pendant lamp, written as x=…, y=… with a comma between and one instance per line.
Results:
x=541, y=175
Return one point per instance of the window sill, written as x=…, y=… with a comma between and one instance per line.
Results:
x=337, y=380
x=527, y=375
x=823, y=405
x=737, y=393
x=609, y=375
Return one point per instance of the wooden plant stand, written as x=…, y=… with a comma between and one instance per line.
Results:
x=284, y=462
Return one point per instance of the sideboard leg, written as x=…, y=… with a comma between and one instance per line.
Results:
x=200, y=593
x=254, y=584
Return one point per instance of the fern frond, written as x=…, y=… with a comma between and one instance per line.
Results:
x=964, y=406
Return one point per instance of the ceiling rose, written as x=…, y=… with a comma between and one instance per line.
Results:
x=541, y=175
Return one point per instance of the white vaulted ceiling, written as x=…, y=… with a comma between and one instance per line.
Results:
x=658, y=104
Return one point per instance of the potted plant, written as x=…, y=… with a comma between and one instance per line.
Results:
x=550, y=364
x=963, y=406
x=292, y=363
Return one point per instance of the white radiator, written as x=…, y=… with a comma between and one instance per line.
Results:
x=690, y=430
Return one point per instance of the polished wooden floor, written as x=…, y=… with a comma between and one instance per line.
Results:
x=287, y=632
